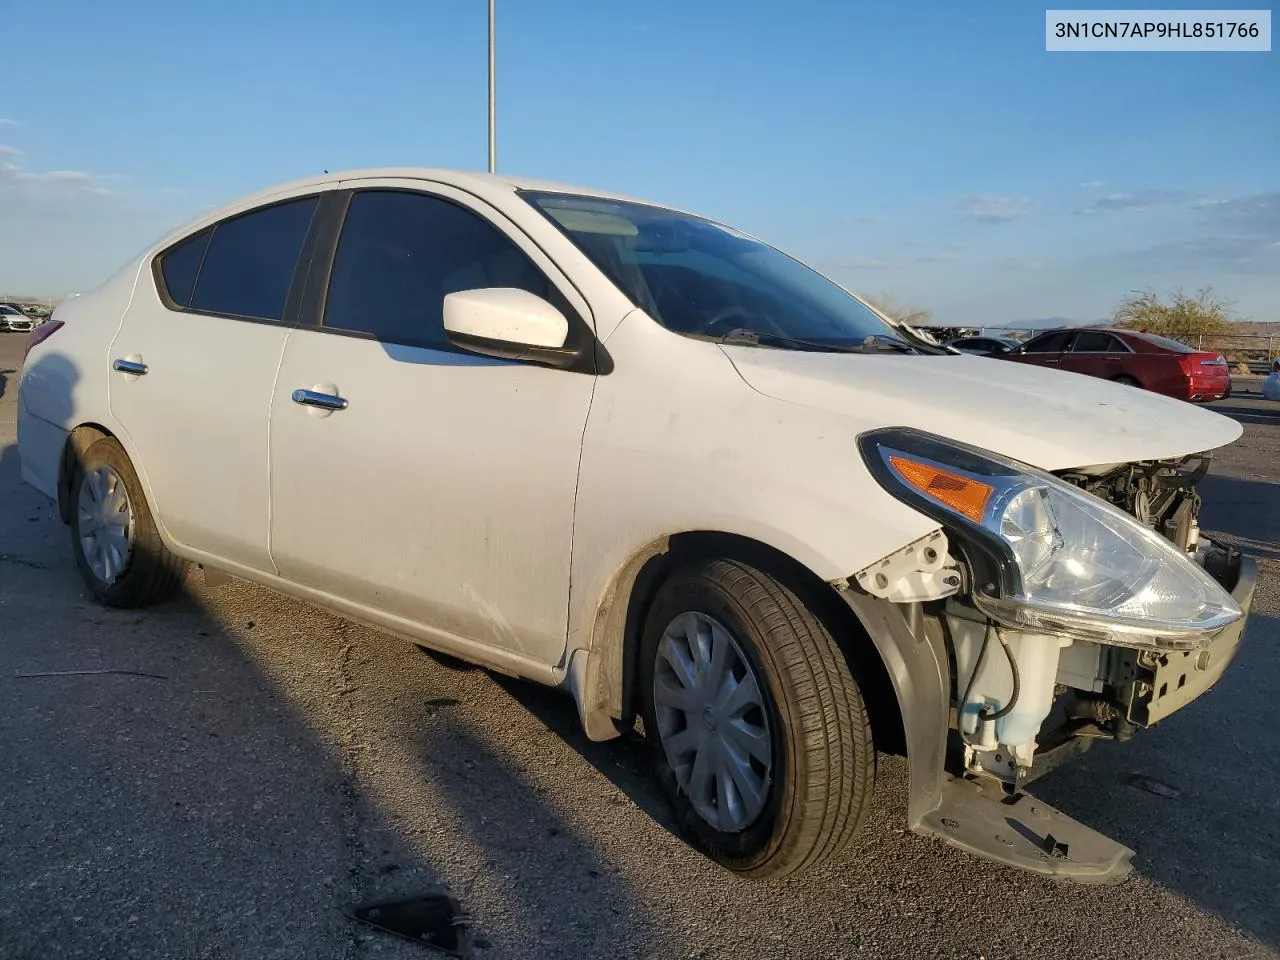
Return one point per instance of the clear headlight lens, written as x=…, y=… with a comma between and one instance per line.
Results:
x=1070, y=563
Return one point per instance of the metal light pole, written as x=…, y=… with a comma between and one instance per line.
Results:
x=493, y=134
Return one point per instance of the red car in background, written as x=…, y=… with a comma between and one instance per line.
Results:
x=1126, y=356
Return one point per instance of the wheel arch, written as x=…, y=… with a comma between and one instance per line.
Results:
x=78, y=441
x=606, y=684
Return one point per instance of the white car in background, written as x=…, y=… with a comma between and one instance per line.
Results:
x=638, y=455
x=1271, y=382
x=14, y=320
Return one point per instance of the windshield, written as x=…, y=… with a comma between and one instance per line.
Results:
x=10, y=311
x=702, y=279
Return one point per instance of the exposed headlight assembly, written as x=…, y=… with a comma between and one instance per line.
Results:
x=1048, y=556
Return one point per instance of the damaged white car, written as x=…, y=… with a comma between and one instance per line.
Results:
x=637, y=454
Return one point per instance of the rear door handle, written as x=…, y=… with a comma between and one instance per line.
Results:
x=314, y=398
x=135, y=367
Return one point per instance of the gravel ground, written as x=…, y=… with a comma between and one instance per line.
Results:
x=290, y=764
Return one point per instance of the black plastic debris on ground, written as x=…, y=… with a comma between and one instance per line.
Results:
x=433, y=919
x=1154, y=786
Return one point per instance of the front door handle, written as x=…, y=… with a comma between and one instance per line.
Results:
x=134, y=368
x=314, y=398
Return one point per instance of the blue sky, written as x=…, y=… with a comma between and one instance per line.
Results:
x=931, y=151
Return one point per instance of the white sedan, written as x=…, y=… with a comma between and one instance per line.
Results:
x=14, y=320
x=639, y=455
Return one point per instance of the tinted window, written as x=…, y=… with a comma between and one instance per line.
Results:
x=1094, y=342
x=400, y=254
x=250, y=261
x=180, y=266
x=1050, y=342
x=1165, y=342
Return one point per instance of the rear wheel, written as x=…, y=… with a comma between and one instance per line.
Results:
x=757, y=728
x=117, y=547
x=1126, y=381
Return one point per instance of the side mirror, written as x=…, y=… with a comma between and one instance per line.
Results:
x=510, y=323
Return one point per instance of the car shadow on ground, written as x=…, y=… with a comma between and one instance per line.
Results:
x=625, y=762
x=1260, y=416
x=1222, y=857
x=213, y=806
x=1233, y=505
x=4, y=379
x=1110, y=789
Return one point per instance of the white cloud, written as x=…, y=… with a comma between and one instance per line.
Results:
x=1258, y=213
x=8, y=151
x=6, y=122
x=854, y=262
x=1237, y=235
x=47, y=193
x=988, y=208
x=1136, y=200
x=1022, y=263
x=1093, y=184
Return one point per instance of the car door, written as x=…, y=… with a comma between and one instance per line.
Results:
x=194, y=364
x=1045, y=350
x=1097, y=354
x=433, y=487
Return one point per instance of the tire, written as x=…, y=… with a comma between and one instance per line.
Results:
x=1126, y=381
x=142, y=572
x=817, y=788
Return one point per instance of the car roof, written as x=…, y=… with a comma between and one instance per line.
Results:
x=471, y=180
x=484, y=185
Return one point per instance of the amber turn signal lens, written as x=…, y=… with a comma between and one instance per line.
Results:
x=962, y=494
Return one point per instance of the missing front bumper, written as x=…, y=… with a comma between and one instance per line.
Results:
x=1024, y=832
x=1162, y=684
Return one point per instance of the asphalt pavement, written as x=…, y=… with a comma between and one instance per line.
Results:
x=280, y=765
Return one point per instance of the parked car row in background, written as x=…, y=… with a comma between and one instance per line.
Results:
x=985, y=346
x=1123, y=356
x=13, y=319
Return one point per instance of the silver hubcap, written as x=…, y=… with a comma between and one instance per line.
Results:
x=712, y=721
x=105, y=523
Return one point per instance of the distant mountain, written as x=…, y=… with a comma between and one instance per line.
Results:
x=1050, y=323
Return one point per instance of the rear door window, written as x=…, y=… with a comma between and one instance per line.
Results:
x=249, y=264
x=1050, y=342
x=1093, y=341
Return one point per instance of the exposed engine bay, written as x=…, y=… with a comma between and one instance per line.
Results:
x=1160, y=494
x=1026, y=701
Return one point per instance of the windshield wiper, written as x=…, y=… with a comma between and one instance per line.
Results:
x=881, y=343
x=876, y=343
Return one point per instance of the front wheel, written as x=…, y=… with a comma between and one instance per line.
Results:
x=113, y=535
x=759, y=733
x=1126, y=381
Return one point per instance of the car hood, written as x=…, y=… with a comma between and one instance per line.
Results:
x=1046, y=418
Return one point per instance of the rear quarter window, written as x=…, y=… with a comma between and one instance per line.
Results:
x=180, y=265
